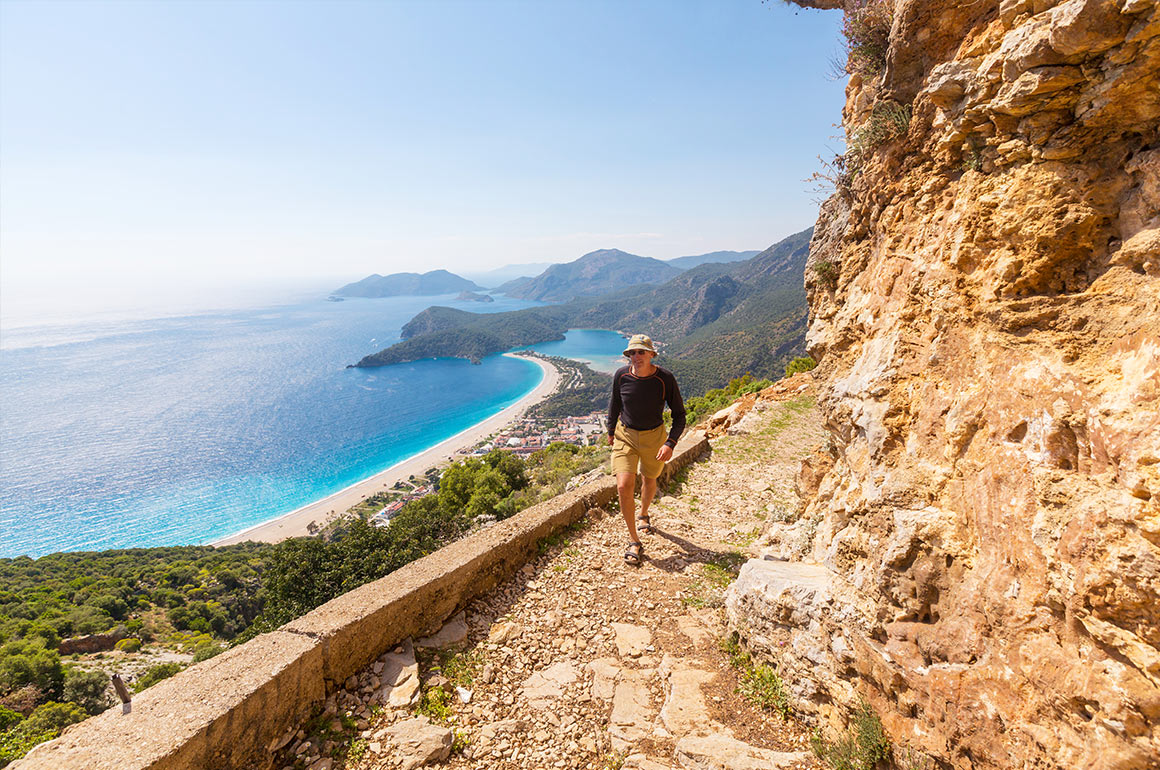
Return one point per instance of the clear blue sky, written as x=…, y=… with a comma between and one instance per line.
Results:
x=208, y=142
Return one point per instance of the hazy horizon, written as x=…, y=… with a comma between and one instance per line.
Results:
x=150, y=152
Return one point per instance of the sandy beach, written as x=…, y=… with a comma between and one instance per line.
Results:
x=296, y=523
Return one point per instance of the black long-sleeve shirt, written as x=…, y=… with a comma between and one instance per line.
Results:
x=639, y=402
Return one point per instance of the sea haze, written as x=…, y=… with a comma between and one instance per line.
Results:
x=188, y=429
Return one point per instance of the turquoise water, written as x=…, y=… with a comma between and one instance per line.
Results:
x=599, y=348
x=185, y=430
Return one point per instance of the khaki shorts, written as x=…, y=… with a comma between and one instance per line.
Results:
x=632, y=447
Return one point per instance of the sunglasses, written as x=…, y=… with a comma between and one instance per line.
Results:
x=636, y=352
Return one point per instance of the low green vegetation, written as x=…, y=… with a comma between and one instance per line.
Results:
x=550, y=469
x=561, y=537
x=861, y=747
x=435, y=704
x=155, y=674
x=758, y=683
x=827, y=273
x=44, y=723
x=798, y=365
x=716, y=575
x=163, y=596
x=703, y=406
x=334, y=736
x=457, y=666
x=303, y=573
x=614, y=760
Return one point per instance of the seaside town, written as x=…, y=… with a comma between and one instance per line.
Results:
x=522, y=437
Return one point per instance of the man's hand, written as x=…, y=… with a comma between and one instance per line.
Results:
x=664, y=453
x=610, y=440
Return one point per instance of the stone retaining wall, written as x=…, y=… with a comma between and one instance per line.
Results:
x=226, y=711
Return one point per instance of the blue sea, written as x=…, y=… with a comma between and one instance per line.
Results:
x=183, y=430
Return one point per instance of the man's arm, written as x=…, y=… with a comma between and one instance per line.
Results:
x=677, y=406
x=614, y=406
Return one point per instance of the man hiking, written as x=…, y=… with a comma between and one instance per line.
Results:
x=636, y=431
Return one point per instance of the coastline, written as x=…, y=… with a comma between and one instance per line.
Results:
x=297, y=522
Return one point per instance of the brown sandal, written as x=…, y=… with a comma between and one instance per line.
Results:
x=635, y=553
x=647, y=528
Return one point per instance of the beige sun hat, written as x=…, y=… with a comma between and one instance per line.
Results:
x=640, y=342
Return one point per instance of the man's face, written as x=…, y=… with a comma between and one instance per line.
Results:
x=639, y=357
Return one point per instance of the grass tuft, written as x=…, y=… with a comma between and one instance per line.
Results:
x=861, y=747
x=435, y=704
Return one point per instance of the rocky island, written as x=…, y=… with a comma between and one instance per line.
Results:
x=407, y=284
x=472, y=296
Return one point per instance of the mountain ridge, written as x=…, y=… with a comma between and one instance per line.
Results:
x=715, y=321
x=595, y=273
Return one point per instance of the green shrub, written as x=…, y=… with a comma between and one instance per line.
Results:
x=8, y=718
x=801, y=364
x=700, y=407
x=112, y=605
x=759, y=683
x=128, y=645
x=25, y=663
x=827, y=273
x=205, y=651
x=87, y=689
x=762, y=686
x=53, y=717
x=43, y=724
x=155, y=674
x=435, y=704
x=861, y=747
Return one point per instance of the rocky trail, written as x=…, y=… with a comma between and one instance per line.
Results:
x=582, y=661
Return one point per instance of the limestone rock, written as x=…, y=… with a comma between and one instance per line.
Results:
x=685, y=711
x=547, y=685
x=492, y=731
x=642, y=762
x=723, y=752
x=399, y=677
x=989, y=366
x=503, y=632
x=453, y=632
x=605, y=672
x=631, y=641
x=632, y=710
x=694, y=629
x=420, y=742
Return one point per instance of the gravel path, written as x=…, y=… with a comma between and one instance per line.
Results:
x=582, y=661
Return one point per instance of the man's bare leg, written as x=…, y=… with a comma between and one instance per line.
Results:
x=648, y=490
x=625, y=485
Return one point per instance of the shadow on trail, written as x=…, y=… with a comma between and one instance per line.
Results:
x=730, y=560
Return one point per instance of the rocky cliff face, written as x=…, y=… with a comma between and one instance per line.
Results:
x=983, y=556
